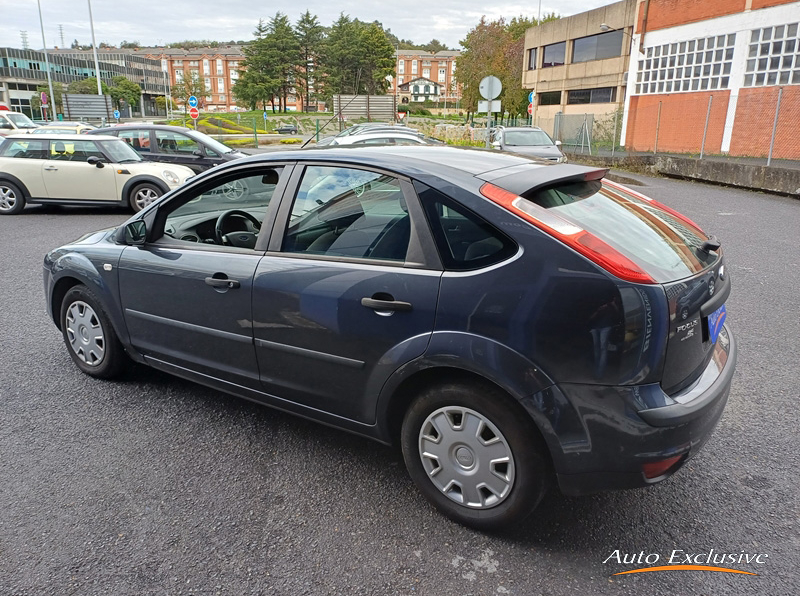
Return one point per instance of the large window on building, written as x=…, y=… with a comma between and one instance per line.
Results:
x=598, y=95
x=693, y=65
x=554, y=54
x=597, y=47
x=773, y=57
x=532, y=59
x=550, y=98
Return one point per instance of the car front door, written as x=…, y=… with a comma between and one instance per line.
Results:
x=140, y=141
x=176, y=147
x=347, y=292
x=187, y=292
x=67, y=174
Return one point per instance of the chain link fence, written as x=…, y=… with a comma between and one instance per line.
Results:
x=759, y=126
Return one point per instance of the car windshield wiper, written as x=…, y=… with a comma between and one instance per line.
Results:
x=131, y=160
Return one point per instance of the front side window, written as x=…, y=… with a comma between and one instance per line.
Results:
x=27, y=149
x=174, y=143
x=345, y=212
x=554, y=54
x=120, y=152
x=139, y=140
x=206, y=217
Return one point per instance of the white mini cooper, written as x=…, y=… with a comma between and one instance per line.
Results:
x=71, y=169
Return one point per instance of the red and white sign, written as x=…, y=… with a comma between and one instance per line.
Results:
x=43, y=97
x=530, y=109
x=194, y=113
x=401, y=115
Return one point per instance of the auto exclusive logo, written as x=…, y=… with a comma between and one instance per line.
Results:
x=680, y=560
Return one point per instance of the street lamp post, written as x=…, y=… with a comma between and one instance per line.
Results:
x=94, y=50
x=47, y=63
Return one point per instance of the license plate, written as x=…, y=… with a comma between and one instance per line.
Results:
x=715, y=321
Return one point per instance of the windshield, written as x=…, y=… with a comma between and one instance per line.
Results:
x=120, y=151
x=527, y=138
x=211, y=143
x=20, y=120
x=667, y=247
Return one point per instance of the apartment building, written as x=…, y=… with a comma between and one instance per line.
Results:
x=439, y=69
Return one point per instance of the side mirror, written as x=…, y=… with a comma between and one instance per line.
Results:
x=558, y=143
x=496, y=144
x=197, y=153
x=95, y=161
x=135, y=233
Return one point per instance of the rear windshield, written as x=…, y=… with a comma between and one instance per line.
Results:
x=666, y=247
x=527, y=138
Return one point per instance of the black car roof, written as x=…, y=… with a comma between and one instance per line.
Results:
x=145, y=125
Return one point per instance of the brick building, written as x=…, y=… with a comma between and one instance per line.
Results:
x=724, y=62
x=438, y=68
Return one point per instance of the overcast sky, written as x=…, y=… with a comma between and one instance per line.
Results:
x=157, y=22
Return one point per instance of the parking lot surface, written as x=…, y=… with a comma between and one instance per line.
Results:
x=154, y=485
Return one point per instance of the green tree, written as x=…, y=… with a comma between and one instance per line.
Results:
x=310, y=36
x=123, y=89
x=192, y=84
x=281, y=48
x=58, y=91
x=258, y=81
x=129, y=44
x=161, y=103
x=86, y=87
x=261, y=29
x=434, y=46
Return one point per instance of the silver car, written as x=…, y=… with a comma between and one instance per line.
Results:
x=527, y=140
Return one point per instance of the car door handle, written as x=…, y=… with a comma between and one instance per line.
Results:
x=390, y=304
x=216, y=282
x=51, y=169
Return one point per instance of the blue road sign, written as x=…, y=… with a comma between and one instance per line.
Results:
x=116, y=114
x=192, y=102
x=265, y=115
x=530, y=97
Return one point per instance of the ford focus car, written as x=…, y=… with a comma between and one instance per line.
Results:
x=71, y=169
x=509, y=324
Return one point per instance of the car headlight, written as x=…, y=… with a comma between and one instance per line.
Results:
x=170, y=177
x=562, y=159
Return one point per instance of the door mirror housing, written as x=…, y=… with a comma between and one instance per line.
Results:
x=95, y=161
x=558, y=143
x=197, y=153
x=135, y=233
x=496, y=144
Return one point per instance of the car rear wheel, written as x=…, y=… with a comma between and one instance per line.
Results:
x=11, y=199
x=475, y=455
x=143, y=194
x=89, y=336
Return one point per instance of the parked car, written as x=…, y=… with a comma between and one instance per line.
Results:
x=508, y=323
x=64, y=128
x=362, y=128
x=527, y=140
x=12, y=123
x=290, y=129
x=383, y=137
x=71, y=169
x=173, y=145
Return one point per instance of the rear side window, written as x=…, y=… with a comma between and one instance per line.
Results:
x=27, y=149
x=666, y=246
x=465, y=240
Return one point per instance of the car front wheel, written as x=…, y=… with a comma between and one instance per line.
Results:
x=475, y=455
x=142, y=195
x=89, y=336
x=11, y=199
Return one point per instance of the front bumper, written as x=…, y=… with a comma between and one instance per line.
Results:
x=622, y=433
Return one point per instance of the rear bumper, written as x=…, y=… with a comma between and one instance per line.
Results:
x=622, y=433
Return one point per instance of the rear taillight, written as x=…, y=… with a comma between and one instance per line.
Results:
x=659, y=468
x=583, y=242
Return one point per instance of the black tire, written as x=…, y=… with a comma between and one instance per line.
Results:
x=89, y=336
x=526, y=477
x=143, y=194
x=12, y=201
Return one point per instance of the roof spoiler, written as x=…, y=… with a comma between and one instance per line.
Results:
x=524, y=179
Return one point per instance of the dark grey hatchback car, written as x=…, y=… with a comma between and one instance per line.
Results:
x=507, y=323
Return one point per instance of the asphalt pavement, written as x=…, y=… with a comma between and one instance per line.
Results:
x=154, y=485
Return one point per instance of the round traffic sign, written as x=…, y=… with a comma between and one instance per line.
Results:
x=490, y=87
x=194, y=113
x=530, y=97
x=530, y=109
x=116, y=114
x=192, y=102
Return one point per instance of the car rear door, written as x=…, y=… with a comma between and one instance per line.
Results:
x=347, y=292
x=24, y=159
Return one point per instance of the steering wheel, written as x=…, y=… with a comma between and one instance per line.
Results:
x=239, y=239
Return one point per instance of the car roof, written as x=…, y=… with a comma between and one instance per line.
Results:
x=146, y=125
x=62, y=136
x=409, y=160
x=516, y=128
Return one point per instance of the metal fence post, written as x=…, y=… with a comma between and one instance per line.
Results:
x=705, y=129
x=614, y=138
x=774, y=126
x=658, y=126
